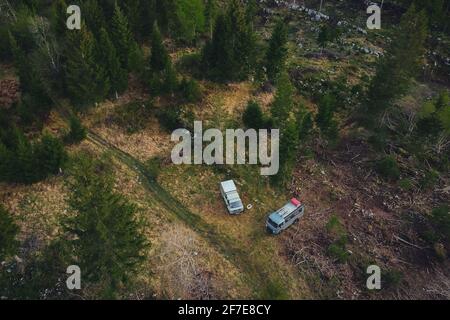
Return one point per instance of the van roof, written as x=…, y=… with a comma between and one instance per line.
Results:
x=288, y=208
x=228, y=186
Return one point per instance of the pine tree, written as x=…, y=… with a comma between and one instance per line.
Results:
x=30, y=82
x=59, y=18
x=400, y=64
x=283, y=102
x=210, y=16
x=250, y=13
x=289, y=142
x=8, y=234
x=109, y=61
x=106, y=234
x=86, y=81
x=229, y=56
x=159, y=58
x=253, y=116
x=121, y=36
x=93, y=16
x=163, y=78
x=77, y=132
x=49, y=156
x=325, y=117
x=277, y=51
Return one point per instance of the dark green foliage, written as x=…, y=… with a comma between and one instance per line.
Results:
x=328, y=33
x=430, y=179
x=122, y=37
x=253, y=116
x=8, y=234
x=153, y=166
x=305, y=123
x=49, y=156
x=170, y=118
x=86, y=81
x=26, y=162
x=289, y=142
x=93, y=16
x=77, y=132
x=325, y=118
x=388, y=168
x=30, y=81
x=440, y=218
x=336, y=231
x=190, y=90
x=434, y=117
x=210, y=16
x=229, y=56
x=283, y=102
x=107, y=59
x=337, y=250
x=105, y=233
x=392, y=278
x=399, y=65
x=162, y=77
x=277, y=51
x=59, y=18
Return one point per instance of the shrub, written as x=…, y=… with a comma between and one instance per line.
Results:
x=440, y=217
x=77, y=132
x=170, y=118
x=430, y=179
x=392, y=278
x=388, y=168
x=253, y=116
x=406, y=184
x=153, y=166
x=338, y=249
x=190, y=90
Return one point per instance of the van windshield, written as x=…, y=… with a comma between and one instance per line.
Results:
x=235, y=204
x=273, y=223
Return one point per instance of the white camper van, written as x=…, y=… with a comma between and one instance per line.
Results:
x=231, y=197
x=283, y=218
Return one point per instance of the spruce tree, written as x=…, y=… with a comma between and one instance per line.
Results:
x=93, y=16
x=162, y=77
x=400, y=64
x=289, y=141
x=49, y=156
x=210, y=16
x=106, y=234
x=229, y=56
x=121, y=36
x=86, y=81
x=325, y=117
x=109, y=61
x=253, y=116
x=59, y=18
x=277, y=51
x=77, y=132
x=283, y=102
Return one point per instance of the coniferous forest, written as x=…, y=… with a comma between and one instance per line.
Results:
x=92, y=92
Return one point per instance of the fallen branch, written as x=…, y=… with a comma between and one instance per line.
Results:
x=408, y=243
